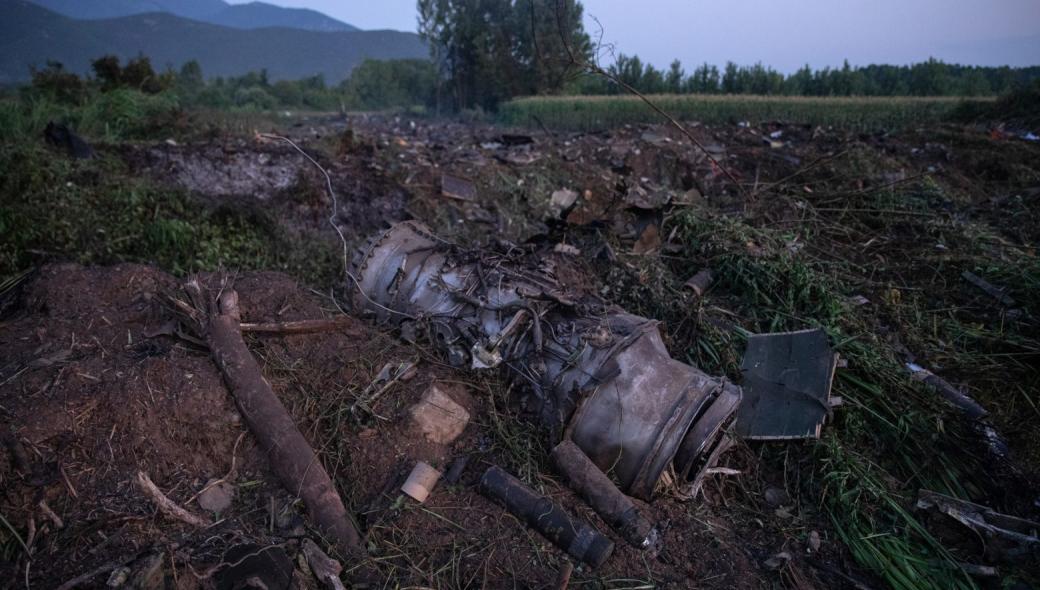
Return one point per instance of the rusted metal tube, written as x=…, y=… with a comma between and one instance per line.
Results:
x=593, y=370
x=571, y=534
x=613, y=506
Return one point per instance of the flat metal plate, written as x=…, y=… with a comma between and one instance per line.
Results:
x=787, y=385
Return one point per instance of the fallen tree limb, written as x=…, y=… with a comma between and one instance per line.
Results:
x=217, y=318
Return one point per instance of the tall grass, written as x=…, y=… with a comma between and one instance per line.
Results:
x=593, y=113
x=111, y=116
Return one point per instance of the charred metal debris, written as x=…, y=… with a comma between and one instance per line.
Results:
x=598, y=378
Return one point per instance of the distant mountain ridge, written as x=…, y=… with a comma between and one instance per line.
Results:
x=31, y=35
x=254, y=15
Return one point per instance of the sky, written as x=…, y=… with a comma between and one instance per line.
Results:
x=785, y=34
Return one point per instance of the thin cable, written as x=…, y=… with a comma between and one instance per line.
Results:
x=332, y=221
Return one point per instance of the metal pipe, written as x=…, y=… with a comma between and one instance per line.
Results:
x=571, y=534
x=614, y=507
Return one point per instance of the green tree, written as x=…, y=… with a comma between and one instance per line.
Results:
x=492, y=50
x=673, y=80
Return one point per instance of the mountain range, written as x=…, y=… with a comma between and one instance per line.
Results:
x=254, y=15
x=30, y=35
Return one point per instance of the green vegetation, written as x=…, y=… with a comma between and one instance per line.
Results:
x=494, y=50
x=94, y=212
x=588, y=113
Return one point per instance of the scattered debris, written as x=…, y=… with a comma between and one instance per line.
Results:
x=576, y=537
x=787, y=385
x=1012, y=535
x=700, y=282
x=566, y=250
x=649, y=241
x=438, y=417
x=421, y=481
x=990, y=289
x=456, y=187
x=673, y=411
x=858, y=300
x=614, y=507
x=952, y=394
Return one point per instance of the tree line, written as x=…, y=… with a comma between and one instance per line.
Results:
x=929, y=78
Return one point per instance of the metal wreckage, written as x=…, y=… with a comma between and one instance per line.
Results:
x=599, y=378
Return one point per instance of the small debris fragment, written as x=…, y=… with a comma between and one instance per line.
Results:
x=649, y=241
x=1014, y=535
x=858, y=300
x=787, y=385
x=421, y=481
x=777, y=561
x=700, y=282
x=776, y=497
x=561, y=201
x=952, y=394
x=993, y=291
x=567, y=250
x=814, y=541
x=456, y=187
x=216, y=496
x=438, y=417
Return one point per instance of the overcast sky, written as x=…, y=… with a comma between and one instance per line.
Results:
x=781, y=33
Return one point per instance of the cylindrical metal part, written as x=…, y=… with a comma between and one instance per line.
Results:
x=421, y=481
x=613, y=506
x=574, y=536
x=593, y=370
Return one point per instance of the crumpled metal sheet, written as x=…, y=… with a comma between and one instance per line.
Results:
x=596, y=373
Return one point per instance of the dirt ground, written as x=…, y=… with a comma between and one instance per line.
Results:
x=93, y=392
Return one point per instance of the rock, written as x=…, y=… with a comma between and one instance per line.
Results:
x=438, y=417
x=216, y=496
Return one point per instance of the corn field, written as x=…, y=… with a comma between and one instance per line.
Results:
x=594, y=113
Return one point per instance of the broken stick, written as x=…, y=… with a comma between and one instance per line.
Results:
x=167, y=506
